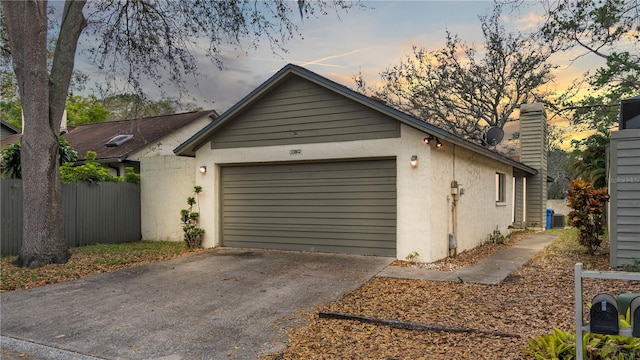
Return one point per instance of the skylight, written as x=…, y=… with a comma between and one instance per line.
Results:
x=118, y=140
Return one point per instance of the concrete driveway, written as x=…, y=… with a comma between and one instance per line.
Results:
x=228, y=303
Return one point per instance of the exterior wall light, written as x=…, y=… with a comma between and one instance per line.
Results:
x=203, y=169
x=428, y=140
x=438, y=144
x=414, y=161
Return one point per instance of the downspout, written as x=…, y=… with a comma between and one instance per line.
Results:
x=117, y=169
x=453, y=243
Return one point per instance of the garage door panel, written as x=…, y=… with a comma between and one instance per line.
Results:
x=301, y=196
x=307, y=221
x=298, y=190
x=353, y=211
x=276, y=203
x=346, y=207
x=308, y=241
x=327, y=168
x=258, y=184
x=271, y=216
x=302, y=230
x=321, y=248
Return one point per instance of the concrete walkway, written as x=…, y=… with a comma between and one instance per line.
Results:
x=489, y=271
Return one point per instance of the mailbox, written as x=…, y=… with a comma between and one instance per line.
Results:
x=635, y=317
x=624, y=302
x=604, y=315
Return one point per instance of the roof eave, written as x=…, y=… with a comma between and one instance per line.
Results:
x=189, y=147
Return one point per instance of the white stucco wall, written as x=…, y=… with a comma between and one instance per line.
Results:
x=477, y=213
x=166, y=180
x=423, y=193
x=165, y=184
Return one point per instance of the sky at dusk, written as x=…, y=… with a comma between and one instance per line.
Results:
x=366, y=41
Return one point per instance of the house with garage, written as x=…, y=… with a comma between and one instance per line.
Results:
x=146, y=145
x=304, y=163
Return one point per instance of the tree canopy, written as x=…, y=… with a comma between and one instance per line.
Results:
x=465, y=88
x=610, y=30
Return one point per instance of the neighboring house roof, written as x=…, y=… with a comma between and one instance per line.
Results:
x=7, y=129
x=189, y=147
x=94, y=137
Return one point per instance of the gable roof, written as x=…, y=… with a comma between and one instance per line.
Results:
x=94, y=137
x=8, y=128
x=189, y=147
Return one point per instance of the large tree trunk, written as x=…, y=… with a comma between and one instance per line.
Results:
x=43, y=99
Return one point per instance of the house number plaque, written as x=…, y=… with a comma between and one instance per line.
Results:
x=295, y=152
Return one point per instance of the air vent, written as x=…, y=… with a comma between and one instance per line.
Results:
x=118, y=140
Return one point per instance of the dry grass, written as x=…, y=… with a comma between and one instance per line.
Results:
x=87, y=261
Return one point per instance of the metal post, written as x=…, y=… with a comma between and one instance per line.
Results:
x=578, y=296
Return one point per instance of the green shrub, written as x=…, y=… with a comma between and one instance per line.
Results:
x=91, y=171
x=130, y=175
x=588, y=214
x=635, y=267
x=192, y=233
x=10, y=155
x=561, y=345
x=496, y=237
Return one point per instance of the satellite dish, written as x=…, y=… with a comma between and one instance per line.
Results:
x=494, y=136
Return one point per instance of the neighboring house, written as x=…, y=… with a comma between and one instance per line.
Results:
x=304, y=163
x=624, y=186
x=146, y=145
x=7, y=129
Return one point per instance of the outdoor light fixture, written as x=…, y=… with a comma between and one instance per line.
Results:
x=414, y=161
x=430, y=138
x=203, y=169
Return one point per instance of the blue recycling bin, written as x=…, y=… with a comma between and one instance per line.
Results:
x=549, y=217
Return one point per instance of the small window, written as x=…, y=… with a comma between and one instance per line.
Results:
x=500, y=188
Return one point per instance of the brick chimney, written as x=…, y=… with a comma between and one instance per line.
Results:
x=533, y=153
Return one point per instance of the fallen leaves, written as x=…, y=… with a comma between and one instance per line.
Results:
x=89, y=260
x=533, y=300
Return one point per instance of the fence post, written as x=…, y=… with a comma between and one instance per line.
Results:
x=578, y=296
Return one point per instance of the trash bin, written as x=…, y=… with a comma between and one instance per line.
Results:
x=549, y=216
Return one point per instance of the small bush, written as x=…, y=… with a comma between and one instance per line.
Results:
x=562, y=345
x=634, y=267
x=413, y=257
x=588, y=214
x=496, y=237
x=192, y=233
x=91, y=171
x=130, y=175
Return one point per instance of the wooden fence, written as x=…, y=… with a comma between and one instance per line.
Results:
x=105, y=213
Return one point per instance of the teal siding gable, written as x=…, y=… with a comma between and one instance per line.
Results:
x=299, y=111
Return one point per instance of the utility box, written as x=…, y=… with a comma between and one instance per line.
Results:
x=558, y=221
x=604, y=315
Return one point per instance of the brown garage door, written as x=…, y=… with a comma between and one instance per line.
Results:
x=341, y=207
